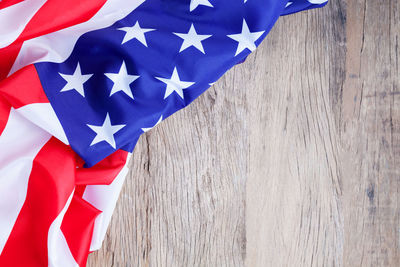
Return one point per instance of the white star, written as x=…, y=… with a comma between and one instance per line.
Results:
x=246, y=39
x=175, y=84
x=122, y=80
x=105, y=132
x=195, y=3
x=192, y=39
x=317, y=1
x=148, y=129
x=75, y=81
x=135, y=32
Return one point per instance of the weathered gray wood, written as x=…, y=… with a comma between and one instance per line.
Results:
x=294, y=210
x=370, y=135
x=292, y=159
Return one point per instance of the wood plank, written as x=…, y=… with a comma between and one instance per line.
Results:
x=370, y=132
x=292, y=159
x=293, y=207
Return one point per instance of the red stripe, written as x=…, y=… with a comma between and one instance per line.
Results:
x=4, y=113
x=79, y=190
x=50, y=185
x=52, y=16
x=77, y=227
x=23, y=88
x=103, y=172
x=7, y=3
x=79, y=235
x=61, y=14
x=7, y=58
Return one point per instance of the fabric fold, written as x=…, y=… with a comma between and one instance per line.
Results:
x=79, y=86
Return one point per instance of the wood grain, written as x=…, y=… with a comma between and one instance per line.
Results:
x=291, y=159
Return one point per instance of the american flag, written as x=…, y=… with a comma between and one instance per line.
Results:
x=80, y=81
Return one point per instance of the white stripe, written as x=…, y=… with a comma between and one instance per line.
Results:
x=43, y=115
x=13, y=19
x=59, y=253
x=20, y=142
x=104, y=198
x=57, y=46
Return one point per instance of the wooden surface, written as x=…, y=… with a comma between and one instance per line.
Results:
x=292, y=159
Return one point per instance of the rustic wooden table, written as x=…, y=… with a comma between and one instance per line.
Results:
x=292, y=159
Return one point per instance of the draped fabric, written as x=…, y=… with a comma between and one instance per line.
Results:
x=80, y=81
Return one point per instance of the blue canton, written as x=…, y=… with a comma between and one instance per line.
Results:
x=121, y=81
